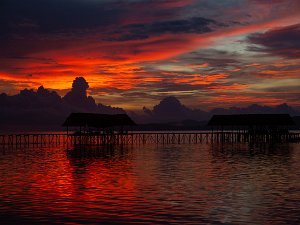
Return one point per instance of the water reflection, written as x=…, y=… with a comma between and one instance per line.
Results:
x=251, y=148
x=103, y=180
x=259, y=178
x=159, y=184
x=98, y=152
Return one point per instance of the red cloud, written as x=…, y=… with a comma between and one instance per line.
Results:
x=54, y=59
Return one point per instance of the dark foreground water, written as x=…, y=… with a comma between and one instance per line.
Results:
x=152, y=184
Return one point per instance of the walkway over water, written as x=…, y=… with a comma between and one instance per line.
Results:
x=144, y=138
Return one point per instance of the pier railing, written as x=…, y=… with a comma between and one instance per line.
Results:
x=43, y=139
x=33, y=139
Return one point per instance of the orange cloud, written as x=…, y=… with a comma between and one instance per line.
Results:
x=54, y=60
x=198, y=65
x=232, y=87
x=228, y=100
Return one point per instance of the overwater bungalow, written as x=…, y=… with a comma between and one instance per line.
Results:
x=93, y=123
x=253, y=126
x=97, y=129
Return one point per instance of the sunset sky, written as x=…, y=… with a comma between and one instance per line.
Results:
x=133, y=53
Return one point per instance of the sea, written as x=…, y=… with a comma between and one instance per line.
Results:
x=204, y=183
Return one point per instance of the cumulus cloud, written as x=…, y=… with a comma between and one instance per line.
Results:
x=170, y=109
x=78, y=97
x=44, y=109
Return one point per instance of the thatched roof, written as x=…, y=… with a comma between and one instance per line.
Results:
x=251, y=120
x=98, y=120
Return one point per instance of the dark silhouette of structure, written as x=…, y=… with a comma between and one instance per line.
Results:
x=106, y=130
x=252, y=127
x=88, y=121
x=257, y=120
x=96, y=128
x=297, y=122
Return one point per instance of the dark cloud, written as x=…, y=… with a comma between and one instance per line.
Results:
x=170, y=109
x=67, y=16
x=217, y=59
x=268, y=2
x=99, y=90
x=281, y=42
x=197, y=25
x=35, y=26
x=255, y=108
x=78, y=96
x=44, y=109
x=169, y=85
x=50, y=40
x=56, y=15
x=78, y=101
x=132, y=94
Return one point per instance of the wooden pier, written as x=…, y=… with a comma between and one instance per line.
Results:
x=182, y=138
x=50, y=139
x=35, y=139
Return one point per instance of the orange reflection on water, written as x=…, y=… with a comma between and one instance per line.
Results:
x=178, y=184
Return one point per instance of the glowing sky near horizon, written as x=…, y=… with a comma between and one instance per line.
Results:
x=133, y=53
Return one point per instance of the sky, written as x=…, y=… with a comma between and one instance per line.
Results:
x=134, y=53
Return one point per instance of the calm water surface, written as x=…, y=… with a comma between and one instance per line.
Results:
x=151, y=184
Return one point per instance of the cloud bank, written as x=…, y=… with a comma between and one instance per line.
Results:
x=46, y=110
x=136, y=52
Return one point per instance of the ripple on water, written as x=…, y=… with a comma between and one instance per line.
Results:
x=178, y=184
